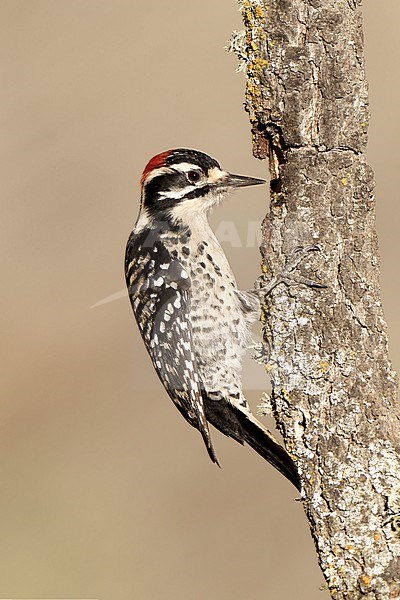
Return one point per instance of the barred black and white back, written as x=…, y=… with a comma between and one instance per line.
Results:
x=159, y=289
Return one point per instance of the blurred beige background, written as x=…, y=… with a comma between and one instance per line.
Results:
x=105, y=491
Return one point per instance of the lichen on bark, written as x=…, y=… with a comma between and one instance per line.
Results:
x=334, y=390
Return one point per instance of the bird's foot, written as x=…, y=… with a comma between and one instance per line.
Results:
x=286, y=276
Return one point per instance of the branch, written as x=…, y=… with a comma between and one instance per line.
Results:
x=334, y=390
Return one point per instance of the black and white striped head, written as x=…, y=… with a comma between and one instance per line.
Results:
x=178, y=184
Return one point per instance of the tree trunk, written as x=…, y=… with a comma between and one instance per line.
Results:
x=334, y=390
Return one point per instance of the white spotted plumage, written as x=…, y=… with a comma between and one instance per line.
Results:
x=193, y=319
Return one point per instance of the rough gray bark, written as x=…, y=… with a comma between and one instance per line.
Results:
x=334, y=390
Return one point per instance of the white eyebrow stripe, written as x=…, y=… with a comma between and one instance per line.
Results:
x=214, y=174
x=184, y=166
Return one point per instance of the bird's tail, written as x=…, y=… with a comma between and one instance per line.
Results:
x=239, y=424
x=263, y=442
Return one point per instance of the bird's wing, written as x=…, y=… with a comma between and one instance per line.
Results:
x=160, y=290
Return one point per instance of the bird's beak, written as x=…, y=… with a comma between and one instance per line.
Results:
x=236, y=181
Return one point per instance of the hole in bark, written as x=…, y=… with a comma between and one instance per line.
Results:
x=274, y=137
x=276, y=185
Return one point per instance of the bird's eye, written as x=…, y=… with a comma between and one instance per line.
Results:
x=193, y=176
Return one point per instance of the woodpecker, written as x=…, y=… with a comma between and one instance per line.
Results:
x=194, y=321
